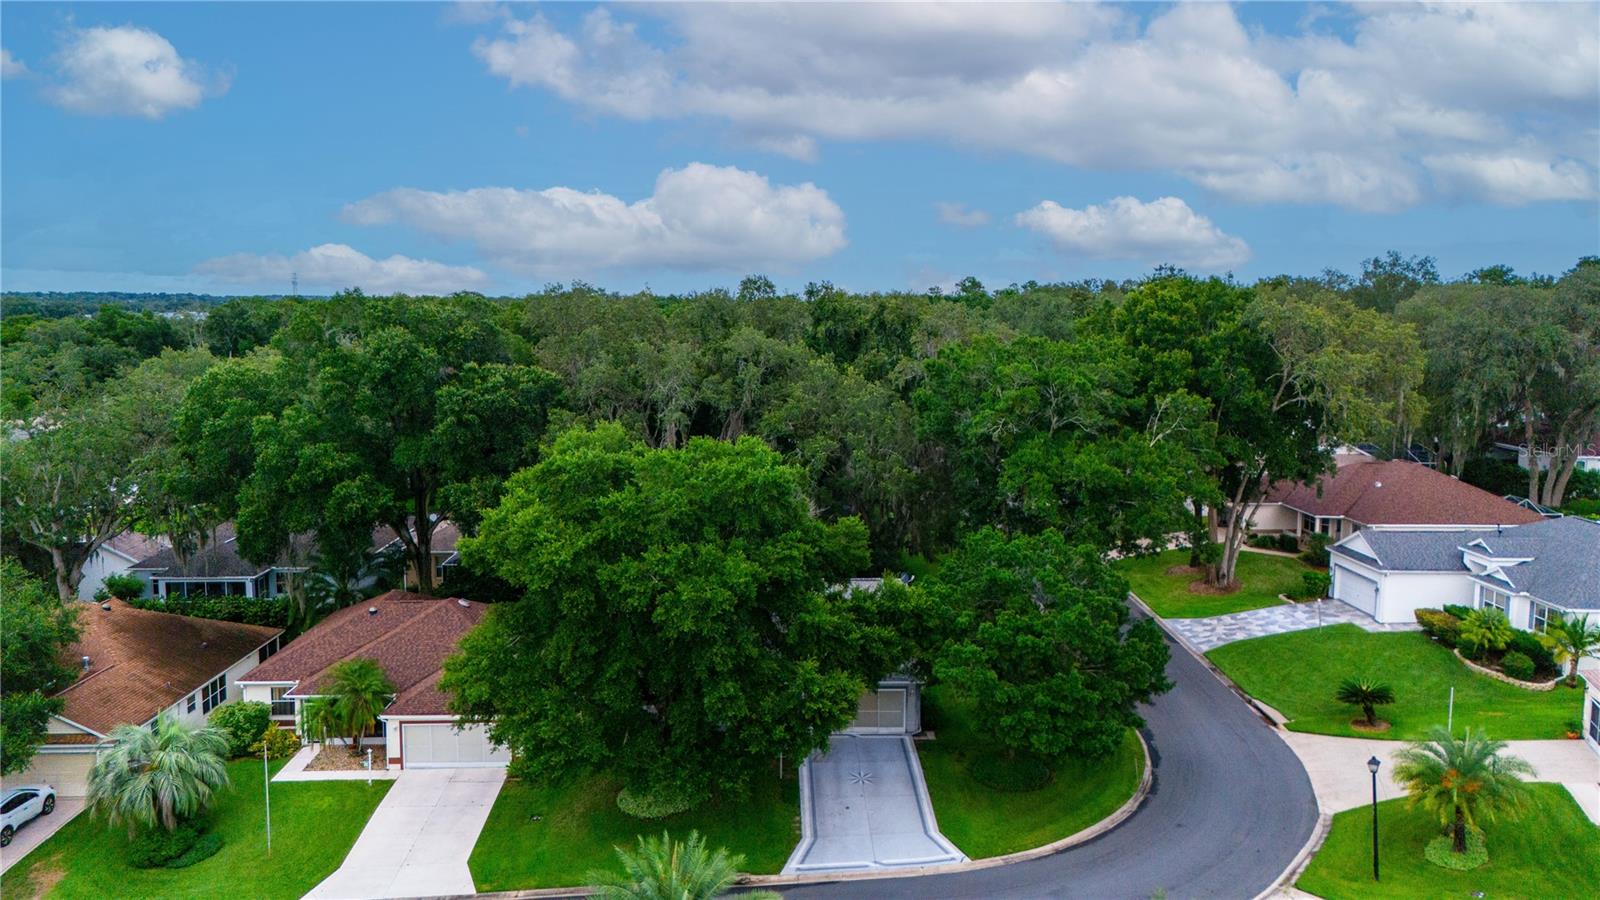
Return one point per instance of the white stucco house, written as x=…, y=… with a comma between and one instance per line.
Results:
x=1530, y=572
x=133, y=665
x=117, y=556
x=409, y=636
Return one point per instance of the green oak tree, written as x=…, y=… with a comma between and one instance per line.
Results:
x=35, y=631
x=1040, y=638
x=678, y=626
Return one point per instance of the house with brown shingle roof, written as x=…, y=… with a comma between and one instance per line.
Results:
x=409, y=636
x=133, y=665
x=1393, y=494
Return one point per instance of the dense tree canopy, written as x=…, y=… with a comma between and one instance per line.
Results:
x=34, y=634
x=677, y=623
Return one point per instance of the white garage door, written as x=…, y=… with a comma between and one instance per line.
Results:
x=1356, y=590
x=440, y=746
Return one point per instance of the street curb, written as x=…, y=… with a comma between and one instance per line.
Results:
x=1082, y=837
x=1297, y=866
x=1270, y=715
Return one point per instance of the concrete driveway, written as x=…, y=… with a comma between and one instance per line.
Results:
x=34, y=833
x=864, y=805
x=417, y=842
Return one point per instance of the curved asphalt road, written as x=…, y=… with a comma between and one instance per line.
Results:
x=1230, y=808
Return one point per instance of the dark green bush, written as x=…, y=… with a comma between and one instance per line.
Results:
x=1587, y=508
x=655, y=806
x=271, y=611
x=244, y=722
x=1517, y=665
x=1314, y=585
x=1316, y=552
x=280, y=743
x=1528, y=644
x=1263, y=541
x=124, y=587
x=1440, y=625
x=1457, y=610
x=1017, y=774
x=1289, y=543
x=205, y=847
x=155, y=847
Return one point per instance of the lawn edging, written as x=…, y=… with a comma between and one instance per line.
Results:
x=1501, y=676
x=1146, y=780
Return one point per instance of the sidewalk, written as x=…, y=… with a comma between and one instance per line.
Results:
x=1338, y=768
x=295, y=770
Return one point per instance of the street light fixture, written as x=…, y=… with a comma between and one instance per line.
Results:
x=1372, y=767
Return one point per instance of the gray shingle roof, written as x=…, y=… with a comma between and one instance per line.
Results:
x=1563, y=554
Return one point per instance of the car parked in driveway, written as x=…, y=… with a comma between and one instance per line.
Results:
x=21, y=805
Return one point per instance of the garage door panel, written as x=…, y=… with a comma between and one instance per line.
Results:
x=442, y=745
x=1357, y=590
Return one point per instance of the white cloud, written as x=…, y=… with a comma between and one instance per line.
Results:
x=127, y=71
x=699, y=216
x=333, y=267
x=1164, y=230
x=1308, y=116
x=10, y=66
x=961, y=215
x=1510, y=180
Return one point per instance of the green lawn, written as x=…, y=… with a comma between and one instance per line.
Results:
x=1552, y=850
x=1261, y=579
x=984, y=822
x=1297, y=673
x=579, y=825
x=313, y=826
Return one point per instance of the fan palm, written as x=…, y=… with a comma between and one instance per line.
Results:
x=1571, y=640
x=1462, y=780
x=1486, y=629
x=158, y=776
x=664, y=869
x=1366, y=694
x=359, y=690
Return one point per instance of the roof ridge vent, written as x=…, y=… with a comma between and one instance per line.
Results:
x=463, y=604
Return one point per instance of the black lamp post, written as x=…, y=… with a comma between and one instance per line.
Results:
x=1372, y=766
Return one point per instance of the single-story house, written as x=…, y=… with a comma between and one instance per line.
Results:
x=409, y=635
x=1392, y=494
x=219, y=569
x=116, y=557
x=1530, y=572
x=134, y=664
x=1591, y=709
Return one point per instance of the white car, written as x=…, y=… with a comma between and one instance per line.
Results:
x=21, y=805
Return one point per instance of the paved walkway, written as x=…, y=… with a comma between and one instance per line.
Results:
x=35, y=832
x=1338, y=768
x=295, y=769
x=864, y=805
x=1215, y=631
x=417, y=842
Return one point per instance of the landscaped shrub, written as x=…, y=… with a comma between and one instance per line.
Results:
x=1586, y=508
x=1440, y=625
x=1314, y=584
x=1017, y=774
x=1517, y=665
x=244, y=723
x=271, y=611
x=123, y=587
x=1289, y=543
x=657, y=806
x=1457, y=610
x=204, y=848
x=1485, y=631
x=1316, y=552
x=1263, y=541
x=153, y=847
x=1528, y=644
x=280, y=743
x=1440, y=852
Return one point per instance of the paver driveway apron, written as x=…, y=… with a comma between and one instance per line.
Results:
x=417, y=842
x=1210, y=633
x=864, y=805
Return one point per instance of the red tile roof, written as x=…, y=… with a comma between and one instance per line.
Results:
x=408, y=635
x=141, y=661
x=1395, y=492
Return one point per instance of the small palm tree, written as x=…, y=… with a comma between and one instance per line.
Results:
x=359, y=690
x=663, y=869
x=1570, y=640
x=1486, y=629
x=158, y=775
x=1462, y=780
x=1367, y=694
x=319, y=719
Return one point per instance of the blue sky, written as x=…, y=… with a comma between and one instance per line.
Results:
x=424, y=147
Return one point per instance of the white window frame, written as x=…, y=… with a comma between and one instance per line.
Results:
x=215, y=693
x=1539, y=616
x=1487, y=597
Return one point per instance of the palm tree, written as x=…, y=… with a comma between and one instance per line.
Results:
x=1462, y=780
x=319, y=719
x=359, y=690
x=1571, y=639
x=158, y=775
x=1485, y=629
x=662, y=869
x=1367, y=694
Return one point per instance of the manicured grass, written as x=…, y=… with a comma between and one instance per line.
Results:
x=1261, y=579
x=1297, y=673
x=985, y=822
x=1552, y=850
x=313, y=826
x=579, y=825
